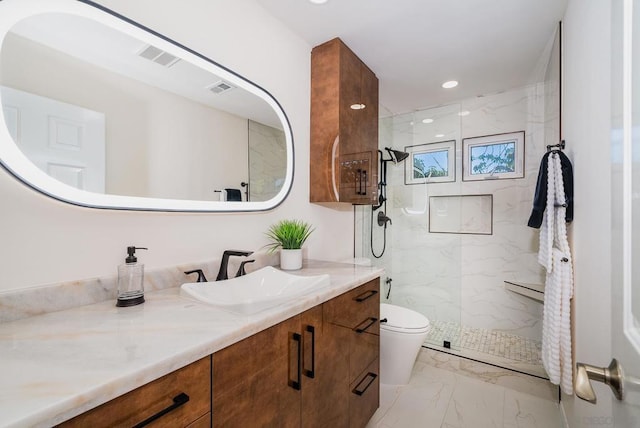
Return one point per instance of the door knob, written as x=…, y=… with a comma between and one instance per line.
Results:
x=612, y=376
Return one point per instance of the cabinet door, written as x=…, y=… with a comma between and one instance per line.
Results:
x=325, y=383
x=358, y=130
x=254, y=380
x=369, y=130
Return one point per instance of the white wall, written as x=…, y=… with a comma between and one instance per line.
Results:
x=586, y=125
x=46, y=241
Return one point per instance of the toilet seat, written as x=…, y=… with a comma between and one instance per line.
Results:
x=403, y=320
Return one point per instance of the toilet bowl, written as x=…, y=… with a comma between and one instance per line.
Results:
x=401, y=336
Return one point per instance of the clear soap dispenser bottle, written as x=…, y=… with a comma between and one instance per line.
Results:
x=131, y=280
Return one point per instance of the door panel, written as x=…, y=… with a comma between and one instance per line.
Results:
x=63, y=140
x=626, y=206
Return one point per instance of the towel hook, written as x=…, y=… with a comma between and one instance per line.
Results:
x=555, y=147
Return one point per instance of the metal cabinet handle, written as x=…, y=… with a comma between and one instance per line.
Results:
x=612, y=376
x=178, y=401
x=312, y=373
x=364, y=296
x=295, y=384
x=370, y=321
x=358, y=181
x=364, y=179
x=371, y=376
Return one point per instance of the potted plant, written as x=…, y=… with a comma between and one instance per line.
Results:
x=289, y=236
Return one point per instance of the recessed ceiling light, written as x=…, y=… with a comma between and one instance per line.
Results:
x=318, y=1
x=357, y=106
x=439, y=135
x=450, y=84
x=464, y=113
x=427, y=120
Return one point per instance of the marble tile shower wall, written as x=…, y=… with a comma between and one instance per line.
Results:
x=267, y=161
x=454, y=277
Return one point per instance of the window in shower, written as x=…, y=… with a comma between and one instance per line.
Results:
x=430, y=163
x=493, y=157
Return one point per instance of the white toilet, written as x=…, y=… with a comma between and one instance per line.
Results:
x=401, y=337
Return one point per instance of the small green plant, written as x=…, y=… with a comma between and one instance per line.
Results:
x=288, y=234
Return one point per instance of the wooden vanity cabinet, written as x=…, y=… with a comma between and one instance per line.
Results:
x=344, y=140
x=317, y=369
x=190, y=385
x=358, y=313
x=287, y=376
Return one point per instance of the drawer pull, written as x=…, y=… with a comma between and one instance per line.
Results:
x=370, y=321
x=312, y=373
x=364, y=296
x=364, y=180
x=178, y=401
x=371, y=377
x=295, y=384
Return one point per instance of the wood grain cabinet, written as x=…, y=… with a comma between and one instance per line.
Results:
x=344, y=126
x=357, y=312
x=317, y=369
x=179, y=399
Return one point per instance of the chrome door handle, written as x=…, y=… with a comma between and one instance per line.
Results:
x=612, y=376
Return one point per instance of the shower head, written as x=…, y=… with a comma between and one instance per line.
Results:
x=396, y=155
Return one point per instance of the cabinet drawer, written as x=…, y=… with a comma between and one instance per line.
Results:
x=364, y=349
x=140, y=404
x=364, y=398
x=355, y=308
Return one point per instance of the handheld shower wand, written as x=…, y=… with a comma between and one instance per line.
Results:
x=395, y=156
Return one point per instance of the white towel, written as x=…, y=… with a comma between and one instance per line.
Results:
x=555, y=256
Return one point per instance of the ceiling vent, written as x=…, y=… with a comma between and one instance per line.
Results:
x=220, y=87
x=158, y=56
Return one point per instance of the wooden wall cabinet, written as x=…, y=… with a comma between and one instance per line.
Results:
x=162, y=398
x=311, y=370
x=344, y=140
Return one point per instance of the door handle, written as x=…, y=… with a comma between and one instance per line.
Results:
x=612, y=376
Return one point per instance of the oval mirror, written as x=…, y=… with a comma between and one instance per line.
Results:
x=100, y=111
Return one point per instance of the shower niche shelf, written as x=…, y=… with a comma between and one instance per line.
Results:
x=533, y=291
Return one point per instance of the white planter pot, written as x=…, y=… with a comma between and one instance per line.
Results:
x=291, y=259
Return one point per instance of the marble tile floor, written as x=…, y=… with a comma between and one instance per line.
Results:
x=446, y=391
x=492, y=346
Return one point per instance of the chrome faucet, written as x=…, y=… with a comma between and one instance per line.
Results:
x=224, y=263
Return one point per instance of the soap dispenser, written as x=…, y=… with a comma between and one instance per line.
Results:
x=131, y=280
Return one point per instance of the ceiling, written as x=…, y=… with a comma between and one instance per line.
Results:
x=414, y=46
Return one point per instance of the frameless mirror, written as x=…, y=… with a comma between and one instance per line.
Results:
x=101, y=112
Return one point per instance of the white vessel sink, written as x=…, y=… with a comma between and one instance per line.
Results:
x=255, y=291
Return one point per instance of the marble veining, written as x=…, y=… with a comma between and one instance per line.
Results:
x=446, y=391
x=59, y=364
x=460, y=278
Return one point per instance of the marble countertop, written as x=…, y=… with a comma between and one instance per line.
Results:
x=60, y=364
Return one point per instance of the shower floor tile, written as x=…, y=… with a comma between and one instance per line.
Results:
x=492, y=346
